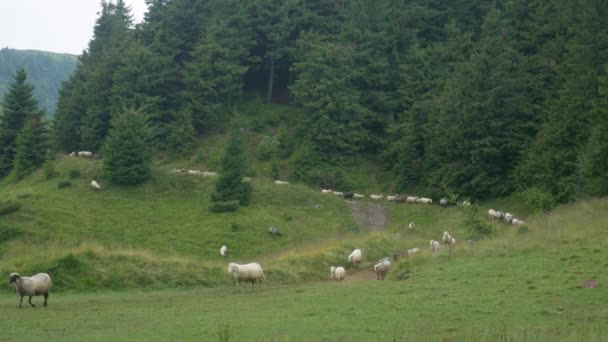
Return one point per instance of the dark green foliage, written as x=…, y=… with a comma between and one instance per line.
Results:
x=49, y=169
x=64, y=184
x=268, y=148
x=7, y=207
x=18, y=107
x=223, y=207
x=477, y=225
x=538, y=200
x=181, y=139
x=31, y=147
x=9, y=233
x=74, y=174
x=273, y=169
x=230, y=186
x=127, y=156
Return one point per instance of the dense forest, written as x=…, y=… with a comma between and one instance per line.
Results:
x=46, y=71
x=476, y=98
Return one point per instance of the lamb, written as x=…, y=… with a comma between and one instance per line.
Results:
x=411, y=226
x=435, y=245
x=249, y=273
x=355, y=257
x=424, y=200
x=274, y=231
x=223, y=250
x=280, y=182
x=95, y=185
x=447, y=238
x=381, y=268
x=325, y=191
x=443, y=202
x=337, y=273
x=376, y=197
x=518, y=222
x=36, y=285
x=412, y=251
x=411, y=199
x=358, y=196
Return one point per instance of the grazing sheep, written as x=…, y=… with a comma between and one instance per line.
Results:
x=325, y=191
x=95, y=185
x=391, y=198
x=250, y=273
x=508, y=217
x=443, y=202
x=376, y=197
x=358, y=196
x=280, y=182
x=424, y=200
x=274, y=231
x=447, y=238
x=491, y=214
x=435, y=245
x=337, y=273
x=518, y=222
x=338, y=193
x=177, y=170
x=85, y=154
x=223, y=250
x=411, y=226
x=194, y=172
x=348, y=195
x=400, y=199
x=36, y=285
x=413, y=251
x=465, y=204
x=382, y=267
x=209, y=174
x=411, y=199
x=355, y=257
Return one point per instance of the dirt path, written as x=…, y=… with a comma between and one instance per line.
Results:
x=371, y=216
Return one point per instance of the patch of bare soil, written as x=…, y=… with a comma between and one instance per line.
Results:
x=371, y=216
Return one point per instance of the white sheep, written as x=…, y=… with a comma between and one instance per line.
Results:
x=508, y=217
x=491, y=214
x=249, y=273
x=412, y=251
x=223, y=250
x=411, y=226
x=358, y=196
x=209, y=174
x=411, y=199
x=465, y=203
x=392, y=198
x=518, y=222
x=194, y=172
x=381, y=268
x=355, y=257
x=337, y=273
x=435, y=245
x=424, y=200
x=95, y=185
x=447, y=238
x=85, y=154
x=376, y=197
x=280, y=182
x=325, y=191
x=73, y=154
x=443, y=202
x=338, y=193
x=36, y=285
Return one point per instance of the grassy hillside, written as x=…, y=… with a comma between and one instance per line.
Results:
x=45, y=70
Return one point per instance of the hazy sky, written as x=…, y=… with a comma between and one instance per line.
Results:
x=53, y=25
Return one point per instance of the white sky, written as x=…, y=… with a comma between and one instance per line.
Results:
x=53, y=25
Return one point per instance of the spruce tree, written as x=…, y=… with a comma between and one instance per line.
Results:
x=230, y=188
x=31, y=147
x=17, y=106
x=127, y=156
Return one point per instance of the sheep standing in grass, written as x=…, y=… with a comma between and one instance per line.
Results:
x=491, y=214
x=95, y=185
x=412, y=251
x=355, y=257
x=358, y=196
x=381, y=268
x=508, y=217
x=447, y=238
x=223, y=250
x=411, y=226
x=325, y=191
x=376, y=197
x=411, y=199
x=424, y=200
x=435, y=245
x=337, y=273
x=338, y=193
x=280, y=182
x=391, y=198
x=249, y=273
x=443, y=202
x=39, y=284
x=518, y=222
x=274, y=231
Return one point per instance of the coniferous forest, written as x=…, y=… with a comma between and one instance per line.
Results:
x=479, y=98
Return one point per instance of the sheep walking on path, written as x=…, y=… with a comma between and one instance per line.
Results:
x=381, y=268
x=355, y=257
x=249, y=273
x=36, y=285
x=337, y=273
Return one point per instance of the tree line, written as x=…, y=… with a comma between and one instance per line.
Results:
x=472, y=97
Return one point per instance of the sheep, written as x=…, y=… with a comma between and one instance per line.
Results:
x=209, y=174
x=325, y=191
x=194, y=172
x=435, y=245
x=348, y=195
x=376, y=197
x=338, y=193
x=280, y=182
x=381, y=268
x=36, y=285
x=355, y=257
x=223, y=250
x=424, y=200
x=85, y=154
x=443, y=202
x=411, y=199
x=447, y=238
x=400, y=199
x=251, y=273
x=95, y=185
x=274, y=231
x=358, y=196
x=508, y=217
x=491, y=214
x=73, y=154
x=412, y=251
x=518, y=222
x=337, y=273
x=465, y=204
x=411, y=226
x=391, y=198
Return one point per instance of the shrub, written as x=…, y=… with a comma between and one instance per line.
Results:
x=268, y=148
x=64, y=184
x=273, y=169
x=538, y=200
x=9, y=233
x=74, y=174
x=222, y=207
x=49, y=169
x=7, y=207
x=478, y=227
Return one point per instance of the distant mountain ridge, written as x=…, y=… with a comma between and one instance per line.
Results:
x=45, y=70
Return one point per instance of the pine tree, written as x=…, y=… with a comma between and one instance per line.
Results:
x=181, y=138
x=230, y=187
x=127, y=156
x=31, y=147
x=18, y=106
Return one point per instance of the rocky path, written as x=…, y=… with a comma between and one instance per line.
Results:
x=371, y=216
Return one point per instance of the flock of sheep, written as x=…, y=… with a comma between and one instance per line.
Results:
x=507, y=217
x=392, y=198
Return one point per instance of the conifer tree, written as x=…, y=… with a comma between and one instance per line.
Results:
x=31, y=147
x=18, y=106
x=127, y=155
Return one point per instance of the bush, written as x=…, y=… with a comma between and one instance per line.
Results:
x=538, y=200
x=64, y=184
x=74, y=174
x=9, y=233
x=49, y=169
x=7, y=207
x=268, y=148
x=222, y=207
x=478, y=227
x=273, y=169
